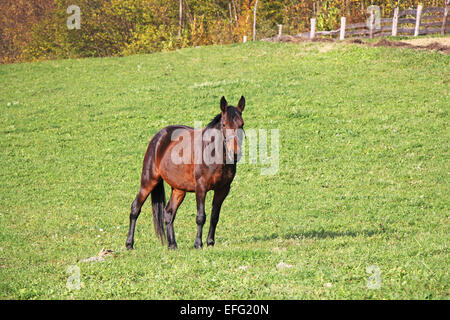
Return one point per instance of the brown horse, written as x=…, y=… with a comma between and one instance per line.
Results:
x=190, y=160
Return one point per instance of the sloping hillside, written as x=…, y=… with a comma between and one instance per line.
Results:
x=361, y=192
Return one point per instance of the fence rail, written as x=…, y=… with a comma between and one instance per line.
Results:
x=419, y=21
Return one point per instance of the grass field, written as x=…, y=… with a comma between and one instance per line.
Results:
x=362, y=181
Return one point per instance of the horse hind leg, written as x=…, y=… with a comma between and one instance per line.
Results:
x=176, y=199
x=136, y=206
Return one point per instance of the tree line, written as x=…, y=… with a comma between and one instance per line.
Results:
x=37, y=29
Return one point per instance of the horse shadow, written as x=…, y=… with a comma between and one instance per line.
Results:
x=317, y=234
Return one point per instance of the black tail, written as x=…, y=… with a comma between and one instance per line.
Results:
x=158, y=207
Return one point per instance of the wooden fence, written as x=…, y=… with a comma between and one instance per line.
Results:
x=420, y=21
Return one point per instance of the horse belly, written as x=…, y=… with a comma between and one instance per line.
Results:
x=178, y=176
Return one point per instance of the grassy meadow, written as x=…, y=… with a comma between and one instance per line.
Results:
x=363, y=175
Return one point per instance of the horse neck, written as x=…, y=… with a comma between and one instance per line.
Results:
x=217, y=127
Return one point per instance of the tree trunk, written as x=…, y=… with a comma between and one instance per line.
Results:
x=235, y=12
x=254, y=21
x=180, y=25
x=231, y=21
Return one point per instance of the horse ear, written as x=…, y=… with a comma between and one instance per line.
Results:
x=223, y=104
x=241, y=104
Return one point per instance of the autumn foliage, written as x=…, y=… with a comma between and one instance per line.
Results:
x=36, y=29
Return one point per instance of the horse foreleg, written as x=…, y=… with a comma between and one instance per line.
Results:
x=219, y=197
x=200, y=195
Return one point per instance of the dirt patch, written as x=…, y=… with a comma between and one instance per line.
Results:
x=427, y=41
x=326, y=47
x=426, y=45
x=441, y=45
x=297, y=38
x=285, y=38
x=323, y=40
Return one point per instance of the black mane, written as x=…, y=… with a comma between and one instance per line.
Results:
x=214, y=122
x=231, y=111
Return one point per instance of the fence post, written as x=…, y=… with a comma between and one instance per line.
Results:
x=342, y=33
x=419, y=14
x=313, y=28
x=395, y=22
x=280, y=29
x=444, y=19
x=244, y=39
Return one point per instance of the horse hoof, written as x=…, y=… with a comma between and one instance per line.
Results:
x=129, y=246
x=198, y=245
x=173, y=247
x=210, y=243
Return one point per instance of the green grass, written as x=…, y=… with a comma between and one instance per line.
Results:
x=362, y=181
